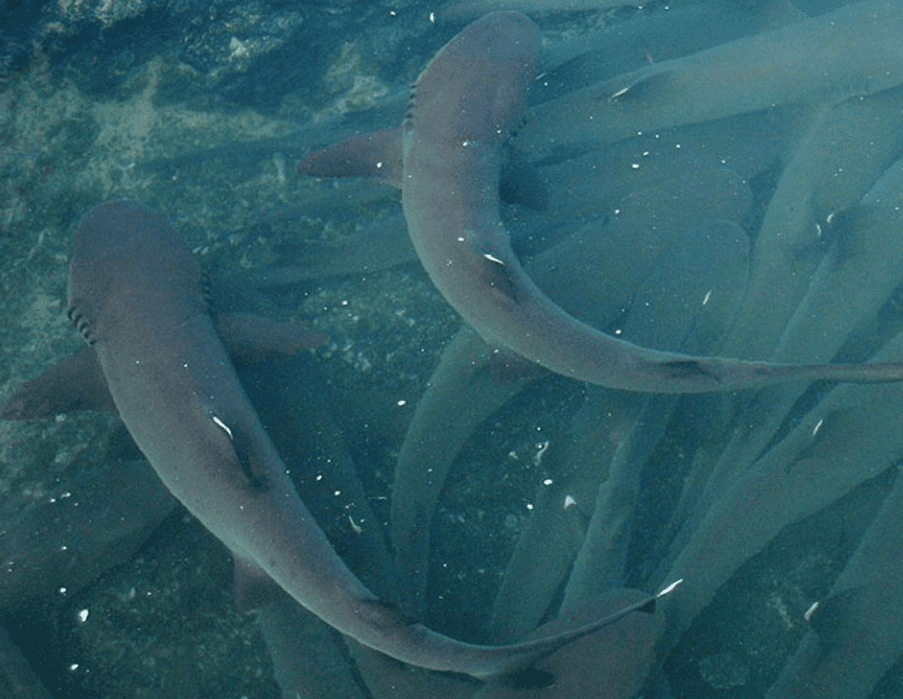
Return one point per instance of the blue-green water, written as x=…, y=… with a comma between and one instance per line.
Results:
x=201, y=110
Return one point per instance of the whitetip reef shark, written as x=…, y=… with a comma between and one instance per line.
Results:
x=157, y=357
x=465, y=106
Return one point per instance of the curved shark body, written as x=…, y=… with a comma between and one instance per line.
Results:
x=465, y=105
x=135, y=294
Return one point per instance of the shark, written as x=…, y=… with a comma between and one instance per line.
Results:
x=795, y=63
x=448, y=157
x=157, y=355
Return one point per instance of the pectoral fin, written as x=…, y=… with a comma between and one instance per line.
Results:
x=76, y=384
x=376, y=154
x=250, y=338
x=253, y=587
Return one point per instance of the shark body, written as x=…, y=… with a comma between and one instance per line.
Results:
x=136, y=296
x=465, y=105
